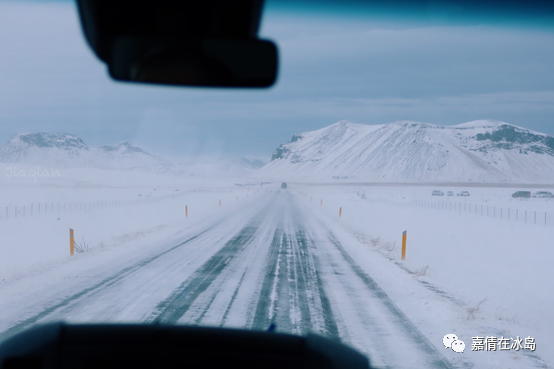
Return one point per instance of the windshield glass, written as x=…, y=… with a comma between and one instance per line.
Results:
x=394, y=190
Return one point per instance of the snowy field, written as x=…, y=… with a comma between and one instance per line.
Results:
x=486, y=276
x=105, y=208
x=285, y=256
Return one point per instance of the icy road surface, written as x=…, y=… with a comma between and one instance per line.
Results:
x=278, y=266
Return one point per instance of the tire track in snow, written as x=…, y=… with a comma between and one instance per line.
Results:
x=235, y=293
x=292, y=293
x=179, y=302
x=265, y=308
x=329, y=321
x=437, y=360
x=299, y=274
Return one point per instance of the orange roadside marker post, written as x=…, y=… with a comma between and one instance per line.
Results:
x=404, y=234
x=71, y=242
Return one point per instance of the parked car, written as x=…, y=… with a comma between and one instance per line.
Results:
x=284, y=186
x=544, y=194
x=437, y=193
x=450, y=193
x=463, y=193
x=521, y=194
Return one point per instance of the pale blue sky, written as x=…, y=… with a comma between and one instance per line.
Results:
x=332, y=68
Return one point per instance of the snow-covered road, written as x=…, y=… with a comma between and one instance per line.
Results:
x=274, y=262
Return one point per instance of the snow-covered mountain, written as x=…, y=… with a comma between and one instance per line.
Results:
x=66, y=150
x=62, y=150
x=405, y=151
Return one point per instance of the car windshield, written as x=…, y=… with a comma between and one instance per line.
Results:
x=392, y=190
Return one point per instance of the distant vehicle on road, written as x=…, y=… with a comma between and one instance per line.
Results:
x=463, y=193
x=437, y=193
x=543, y=194
x=284, y=185
x=450, y=193
x=521, y=194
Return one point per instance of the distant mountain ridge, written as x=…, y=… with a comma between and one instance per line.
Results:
x=405, y=151
x=63, y=150
x=67, y=150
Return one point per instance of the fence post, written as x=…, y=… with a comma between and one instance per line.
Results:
x=71, y=242
x=186, y=211
x=404, y=235
x=321, y=202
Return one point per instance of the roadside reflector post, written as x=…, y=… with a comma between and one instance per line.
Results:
x=71, y=242
x=186, y=211
x=404, y=244
x=321, y=203
x=220, y=202
x=340, y=212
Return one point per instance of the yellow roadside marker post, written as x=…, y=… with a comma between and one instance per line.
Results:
x=404, y=244
x=340, y=212
x=71, y=242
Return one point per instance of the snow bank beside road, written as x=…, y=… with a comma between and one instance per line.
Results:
x=487, y=277
x=31, y=244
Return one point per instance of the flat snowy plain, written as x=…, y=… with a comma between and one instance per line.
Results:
x=283, y=256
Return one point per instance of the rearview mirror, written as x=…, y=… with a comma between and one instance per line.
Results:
x=180, y=42
x=206, y=62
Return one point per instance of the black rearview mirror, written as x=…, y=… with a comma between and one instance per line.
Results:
x=207, y=62
x=181, y=42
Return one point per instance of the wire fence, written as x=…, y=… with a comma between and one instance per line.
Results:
x=43, y=208
x=492, y=211
x=536, y=217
